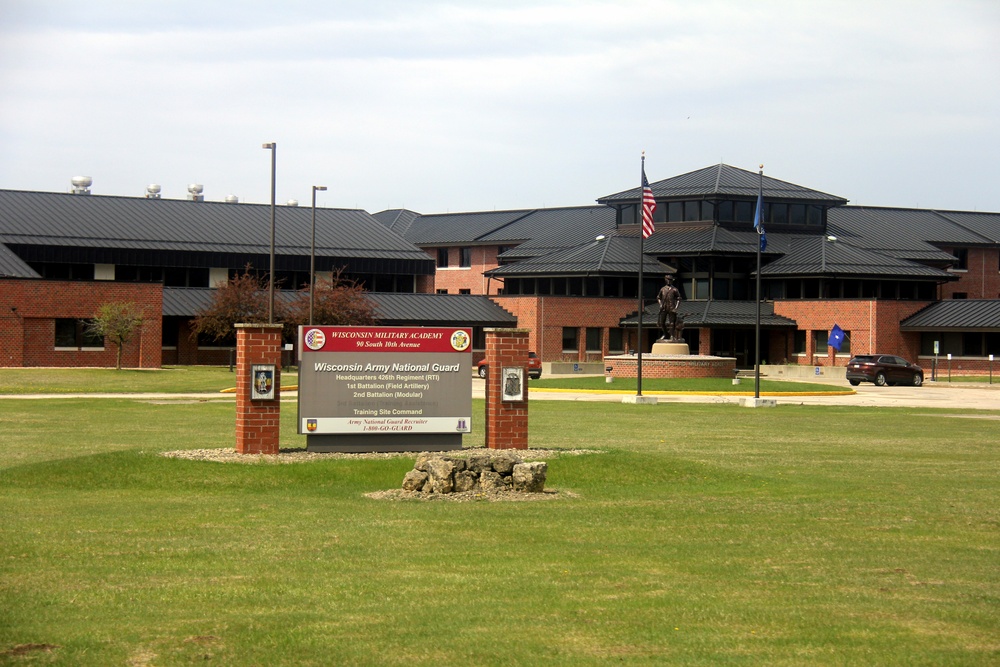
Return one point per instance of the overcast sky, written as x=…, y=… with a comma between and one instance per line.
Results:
x=468, y=105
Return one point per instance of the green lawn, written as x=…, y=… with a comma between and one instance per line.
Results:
x=703, y=535
x=170, y=379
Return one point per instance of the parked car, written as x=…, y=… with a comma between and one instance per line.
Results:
x=534, y=367
x=883, y=369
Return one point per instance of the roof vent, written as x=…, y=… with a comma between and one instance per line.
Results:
x=194, y=192
x=81, y=185
x=152, y=191
x=292, y=202
x=232, y=199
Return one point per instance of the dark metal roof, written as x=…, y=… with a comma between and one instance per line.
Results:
x=390, y=307
x=957, y=314
x=535, y=231
x=137, y=224
x=724, y=181
x=818, y=256
x=613, y=255
x=397, y=219
x=11, y=266
x=716, y=314
x=910, y=233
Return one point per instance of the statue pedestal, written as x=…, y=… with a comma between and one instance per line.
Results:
x=665, y=348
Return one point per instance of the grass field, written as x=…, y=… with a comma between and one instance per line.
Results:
x=702, y=535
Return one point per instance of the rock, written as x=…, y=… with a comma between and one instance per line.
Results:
x=503, y=461
x=479, y=463
x=460, y=464
x=422, y=460
x=490, y=481
x=465, y=480
x=440, y=475
x=414, y=480
x=530, y=477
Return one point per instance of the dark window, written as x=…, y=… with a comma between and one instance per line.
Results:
x=701, y=289
x=962, y=255
x=779, y=214
x=800, y=342
x=616, y=341
x=626, y=215
x=465, y=257
x=972, y=344
x=75, y=333
x=744, y=211
x=692, y=211
x=570, y=340
x=797, y=214
x=575, y=287
x=720, y=288
x=675, y=211
x=464, y=291
x=592, y=286
x=442, y=291
x=960, y=295
x=593, y=339
x=726, y=211
x=442, y=260
x=814, y=215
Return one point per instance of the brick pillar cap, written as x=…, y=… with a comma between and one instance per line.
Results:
x=259, y=326
x=500, y=330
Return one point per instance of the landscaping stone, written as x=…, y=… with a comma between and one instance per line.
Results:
x=487, y=472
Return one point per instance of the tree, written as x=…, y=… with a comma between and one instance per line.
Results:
x=338, y=301
x=243, y=299
x=116, y=321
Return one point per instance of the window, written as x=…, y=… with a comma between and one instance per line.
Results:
x=800, y=341
x=465, y=257
x=675, y=211
x=570, y=339
x=442, y=260
x=465, y=291
x=616, y=341
x=72, y=333
x=962, y=257
x=593, y=339
x=797, y=214
x=960, y=295
x=442, y=291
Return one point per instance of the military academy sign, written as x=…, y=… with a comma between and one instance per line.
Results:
x=381, y=389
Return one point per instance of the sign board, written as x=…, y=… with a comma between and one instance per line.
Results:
x=262, y=382
x=512, y=378
x=385, y=380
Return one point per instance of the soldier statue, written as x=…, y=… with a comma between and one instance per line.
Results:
x=669, y=322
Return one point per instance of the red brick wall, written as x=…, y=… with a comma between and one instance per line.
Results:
x=506, y=423
x=258, y=423
x=627, y=367
x=545, y=317
x=27, y=334
x=872, y=325
x=455, y=278
x=982, y=278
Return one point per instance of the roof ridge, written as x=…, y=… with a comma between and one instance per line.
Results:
x=961, y=226
x=508, y=223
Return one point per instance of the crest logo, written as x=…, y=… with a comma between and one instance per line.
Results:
x=460, y=341
x=315, y=339
x=310, y=425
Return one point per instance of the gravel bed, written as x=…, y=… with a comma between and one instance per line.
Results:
x=228, y=455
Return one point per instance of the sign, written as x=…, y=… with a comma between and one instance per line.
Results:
x=384, y=380
x=262, y=382
x=512, y=378
x=937, y=347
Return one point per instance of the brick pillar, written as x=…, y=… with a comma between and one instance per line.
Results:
x=258, y=423
x=506, y=422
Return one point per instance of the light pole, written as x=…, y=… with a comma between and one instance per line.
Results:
x=312, y=256
x=273, y=147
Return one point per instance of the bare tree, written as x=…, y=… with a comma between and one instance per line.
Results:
x=117, y=321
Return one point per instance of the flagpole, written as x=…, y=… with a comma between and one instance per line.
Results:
x=760, y=227
x=642, y=238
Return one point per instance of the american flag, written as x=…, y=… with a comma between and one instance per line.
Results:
x=648, y=207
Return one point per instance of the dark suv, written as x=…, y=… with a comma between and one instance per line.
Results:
x=883, y=369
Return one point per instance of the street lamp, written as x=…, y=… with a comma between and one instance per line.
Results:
x=273, y=147
x=312, y=256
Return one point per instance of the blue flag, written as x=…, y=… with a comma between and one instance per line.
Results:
x=836, y=337
x=758, y=222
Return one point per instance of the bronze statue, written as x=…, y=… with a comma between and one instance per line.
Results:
x=669, y=298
